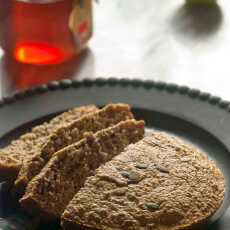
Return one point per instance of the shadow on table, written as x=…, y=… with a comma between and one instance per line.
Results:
x=17, y=76
x=197, y=22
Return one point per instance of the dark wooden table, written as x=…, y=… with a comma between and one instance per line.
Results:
x=150, y=39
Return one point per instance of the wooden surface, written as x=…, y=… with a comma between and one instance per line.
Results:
x=149, y=39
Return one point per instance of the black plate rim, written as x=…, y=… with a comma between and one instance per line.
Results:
x=123, y=82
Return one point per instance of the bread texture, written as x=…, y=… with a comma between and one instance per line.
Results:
x=12, y=156
x=48, y=193
x=159, y=183
x=66, y=135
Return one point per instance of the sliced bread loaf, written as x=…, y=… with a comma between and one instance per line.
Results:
x=67, y=135
x=11, y=157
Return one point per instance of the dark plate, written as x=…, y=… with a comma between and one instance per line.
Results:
x=199, y=118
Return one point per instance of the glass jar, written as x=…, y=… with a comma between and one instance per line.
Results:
x=49, y=31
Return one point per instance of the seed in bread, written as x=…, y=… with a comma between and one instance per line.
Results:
x=67, y=135
x=49, y=192
x=12, y=156
x=158, y=183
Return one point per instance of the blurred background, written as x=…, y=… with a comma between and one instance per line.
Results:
x=150, y=39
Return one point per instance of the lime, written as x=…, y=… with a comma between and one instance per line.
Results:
x=201, y=2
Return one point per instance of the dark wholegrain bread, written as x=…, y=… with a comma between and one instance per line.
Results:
x=11, y=157
x=159, y=183
x=50, y=191
x=67, y=135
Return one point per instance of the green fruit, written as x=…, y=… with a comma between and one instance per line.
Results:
x=201, y=2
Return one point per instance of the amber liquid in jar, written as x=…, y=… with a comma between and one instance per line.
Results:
x=49, y=31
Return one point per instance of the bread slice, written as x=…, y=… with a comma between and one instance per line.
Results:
x=67, y=135
x=50, y=191
x=11, y=157
x=158, y=183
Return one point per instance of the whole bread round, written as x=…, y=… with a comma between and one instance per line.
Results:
x=159, y=183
